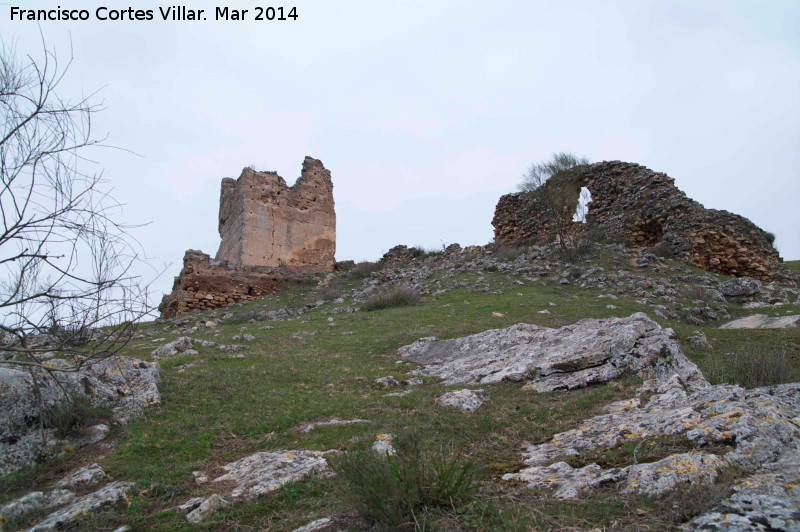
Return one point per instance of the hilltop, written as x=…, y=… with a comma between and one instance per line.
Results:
x=320, y=368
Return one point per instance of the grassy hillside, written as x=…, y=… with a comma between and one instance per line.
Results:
x=323, y=363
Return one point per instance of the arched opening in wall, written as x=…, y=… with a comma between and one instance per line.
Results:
x=250, y=291
x=584, y=199
x=647, y=234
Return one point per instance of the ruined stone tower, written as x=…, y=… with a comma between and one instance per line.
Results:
x=263, y=222
x=273, y=236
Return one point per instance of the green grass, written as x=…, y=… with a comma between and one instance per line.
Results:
x=310, y=368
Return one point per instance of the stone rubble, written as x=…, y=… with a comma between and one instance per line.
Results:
x=172, y=348
x=465, y=400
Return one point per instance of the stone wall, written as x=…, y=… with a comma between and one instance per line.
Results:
x=263, y=222
x=206, y=284
x=273, y=235
x=634, y=204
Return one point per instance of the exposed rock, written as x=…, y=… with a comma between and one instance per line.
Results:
x=401, y=254
x=758, y=427
x=311, y=426
x=387, y=381
x=316, y=525
x=84, y=478
x=588, y=352
x=126, y=384
x=34, y=502
x=172, y=348
x=644, y=208
x=740, y=287
x=264, y=472
x=767, y=500
x=762, y=321
x=114, y=494
x=207, y=508
x=465, y=400
x=699, y=339
x=383, y=444
x=565, y=481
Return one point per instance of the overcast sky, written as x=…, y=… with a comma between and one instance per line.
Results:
x=427, y=112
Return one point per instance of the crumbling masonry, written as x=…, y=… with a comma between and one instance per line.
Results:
x=272, y=235
x=644, y=208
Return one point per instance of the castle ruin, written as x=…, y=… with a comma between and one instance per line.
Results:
x=272, y=235
x=631, y=203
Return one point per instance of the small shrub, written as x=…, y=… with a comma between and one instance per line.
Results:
x=73, y=414
x=329, y=293
x=398, y=296
x=509, y=253
x=751, y=367
x=396, y=491
x=364, y=269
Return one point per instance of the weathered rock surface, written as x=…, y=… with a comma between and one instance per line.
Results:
x=264, y=472
x=762, y=321
x=331, y=422
x=207, y=508
x=263, y=222
x=464, y=400
x=740, y=287
x=759, y=428
x=644, y=208
x=86, y=477
x=114, y=494
x=126, y=384
x=172, y=348
x=383, y=444
x=767, y=500
x=588, y=352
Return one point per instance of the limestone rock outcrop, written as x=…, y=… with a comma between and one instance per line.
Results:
x=126, y=384
x=588, y=352
x=634, y=204
x=272, y=236
x=263, y=222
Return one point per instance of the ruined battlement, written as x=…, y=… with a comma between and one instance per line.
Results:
x=264, y=222
x=632, y=203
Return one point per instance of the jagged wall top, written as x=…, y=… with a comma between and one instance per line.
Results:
x=632, y=203
x=263, y=222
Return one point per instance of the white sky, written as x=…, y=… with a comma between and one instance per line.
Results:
x=427, y=112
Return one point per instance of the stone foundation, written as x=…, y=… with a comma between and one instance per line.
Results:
x=206, y=284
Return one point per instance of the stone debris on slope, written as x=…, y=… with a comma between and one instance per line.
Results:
x=114, y=494
x=588, y=352
x=172, y=348
x=762, y=321
x=383, y=445
x=126, y=384
x=264, y=472
x=464, y=400
x=86, y=477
